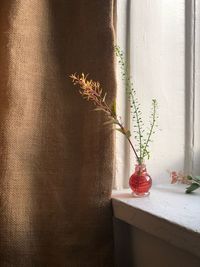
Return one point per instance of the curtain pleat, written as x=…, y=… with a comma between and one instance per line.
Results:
x=56, y=158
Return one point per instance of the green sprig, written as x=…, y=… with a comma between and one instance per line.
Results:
x=195, y=183
x=138, y=127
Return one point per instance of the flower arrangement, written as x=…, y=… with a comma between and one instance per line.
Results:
x=92, y=91
x=193, y=182
x=140, y=138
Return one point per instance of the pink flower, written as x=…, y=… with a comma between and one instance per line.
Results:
x=179, y=178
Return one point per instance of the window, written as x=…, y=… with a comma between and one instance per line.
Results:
x=161, y=40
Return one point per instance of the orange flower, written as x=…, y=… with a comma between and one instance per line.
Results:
x=91, y=91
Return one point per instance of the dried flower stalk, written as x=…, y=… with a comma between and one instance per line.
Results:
x=92, y=91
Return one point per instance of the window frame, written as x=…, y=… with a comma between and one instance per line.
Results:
x=192, y=84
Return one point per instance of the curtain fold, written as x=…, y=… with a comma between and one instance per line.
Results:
x=56, y=158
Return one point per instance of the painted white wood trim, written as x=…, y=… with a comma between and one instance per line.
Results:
x=183, y=137
x=190, y=25
x=196, y=164
x=167, y=213
x=122, y=147
x=157, y=54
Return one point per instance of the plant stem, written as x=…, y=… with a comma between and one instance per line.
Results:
x=151, y=129
x=114, y=116
x=123, y=130
x=129, y=140
x=138, y=124
x=91, y=91
x=130, y=91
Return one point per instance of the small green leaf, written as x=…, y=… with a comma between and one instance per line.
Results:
x=114, y=108
x=120, y=130
x=128, y=134
x=189, y=177
x=192, y=187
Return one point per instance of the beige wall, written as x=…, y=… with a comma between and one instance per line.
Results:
x=135, y=248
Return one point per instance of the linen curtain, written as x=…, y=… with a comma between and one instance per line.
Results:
x=56, y=159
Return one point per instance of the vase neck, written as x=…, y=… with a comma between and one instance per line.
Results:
x=140, y=168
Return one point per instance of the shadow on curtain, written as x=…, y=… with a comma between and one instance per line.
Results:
x=56, y=158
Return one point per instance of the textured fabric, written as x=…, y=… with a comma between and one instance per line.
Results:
x=56, y=159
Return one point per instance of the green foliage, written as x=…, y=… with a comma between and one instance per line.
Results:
x=142, y=137
x=92, y=91
x=113, y=109
x=195, y=183
x=192, y=187
x=197, y=178
x=189, y=177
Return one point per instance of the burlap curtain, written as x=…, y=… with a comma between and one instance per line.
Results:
x=56, y=159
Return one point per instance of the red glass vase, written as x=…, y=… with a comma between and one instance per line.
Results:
x=140, y=182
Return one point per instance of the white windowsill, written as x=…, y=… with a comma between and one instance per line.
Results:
x=167, y=213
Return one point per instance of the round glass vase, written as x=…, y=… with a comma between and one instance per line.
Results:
x=140, y=181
